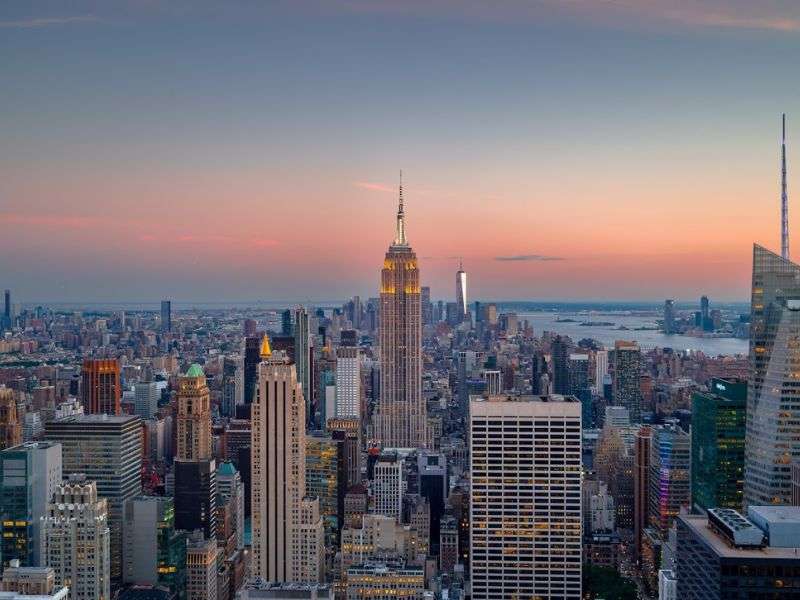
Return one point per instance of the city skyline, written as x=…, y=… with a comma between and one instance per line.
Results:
x=640, y=171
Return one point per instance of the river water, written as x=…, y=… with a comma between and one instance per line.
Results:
x=546, y=321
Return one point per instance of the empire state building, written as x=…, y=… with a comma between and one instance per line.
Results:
x=401, y=420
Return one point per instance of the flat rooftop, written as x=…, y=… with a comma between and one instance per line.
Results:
x=699, y=525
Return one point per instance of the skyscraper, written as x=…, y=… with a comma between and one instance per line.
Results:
x=669, y=480
x=146, y=399
x=426, y=306
x=669, y=316
x=348, y=382
x=76, y=539
x=387, y=486
x=250, y=368
x=166, y=315
x=194, y=416
x=29, y=475
x=401, y=419
x=578, y=372
x=108, y=450
x=195, y=468
x=302, y=357
x=627, y=389
x=718, y=431
x=287, y=538
x=773, y=398
x=560, y=349
x=531, y=548
x=461, y=290
x=7, y=310
x=10, y=427
x=705, y=315
x=155, y=552
x=100, y=388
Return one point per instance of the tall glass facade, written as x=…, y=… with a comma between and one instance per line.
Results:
x=773, y=395
x=718, y=428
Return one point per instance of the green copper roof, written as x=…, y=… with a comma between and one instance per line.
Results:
x=226, y=468
x=195, y=371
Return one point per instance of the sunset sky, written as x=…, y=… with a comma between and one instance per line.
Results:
x=229, y=151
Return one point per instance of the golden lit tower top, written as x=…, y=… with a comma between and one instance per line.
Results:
x=266, y=351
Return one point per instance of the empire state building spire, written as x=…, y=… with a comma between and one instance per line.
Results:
x=400, y=237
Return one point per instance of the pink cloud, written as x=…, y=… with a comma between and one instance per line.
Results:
x=263, y=243
x=373, y=187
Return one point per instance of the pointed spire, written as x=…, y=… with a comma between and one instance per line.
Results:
x=460, y=263
x=400, y=237
x=784, y=196
x=266, y=350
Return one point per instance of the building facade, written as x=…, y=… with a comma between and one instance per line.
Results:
x=401, y=419
x=718, y=433
x=29, y=476
x=525, y=457
x=626, y=388
x=773, y=400
x=100, y=386
x=108, y=450
x=278, y=473
x=76, y=540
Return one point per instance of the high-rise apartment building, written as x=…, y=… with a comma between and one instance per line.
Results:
x=29, y=476
x=10, y=426
x=100, y=387
x=525, y=456
x=283, y=545
x=627, y=389
x=560, y=349
x=401, y=418
x=669, y=316
x=387, y=486
x=348, y=382
x=461, y=291
x=718, y=431
x=155, y=552
x=773, y=399
x=166, y=315
x=145, y=403
x=669, y=481
x=76, y=540
x=302, y=357
x=705, y=317
x=578, y=377
x=108, y=450
x=600, y=369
